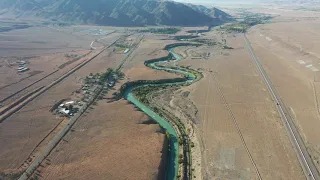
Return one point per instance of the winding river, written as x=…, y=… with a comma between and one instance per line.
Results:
x=172, y=168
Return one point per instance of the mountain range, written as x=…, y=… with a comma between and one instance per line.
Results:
x=117, y=12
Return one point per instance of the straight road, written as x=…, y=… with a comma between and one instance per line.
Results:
x=306, y=162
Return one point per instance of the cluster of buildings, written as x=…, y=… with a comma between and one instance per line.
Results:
x=22, y=66
x=72, y=107
x=112, y=80
x=68, y=108
x=126, y=51
x=90, y=91
x=92, y=87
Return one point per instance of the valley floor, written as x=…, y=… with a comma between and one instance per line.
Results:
x=229, y=114
x=232, y=95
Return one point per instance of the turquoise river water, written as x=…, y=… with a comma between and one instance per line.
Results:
x=172, y=168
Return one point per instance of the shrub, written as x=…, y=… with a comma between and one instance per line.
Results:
x=180, y=161
x=192, y=144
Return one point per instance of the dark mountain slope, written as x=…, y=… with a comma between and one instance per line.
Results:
x=212, y=12
x=117, y=12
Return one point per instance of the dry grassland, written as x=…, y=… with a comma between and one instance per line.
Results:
x=39, y=40
x=232, y=91
x=109, y=143
x=106, y=142
x=289, y=53
x=239, y=130
x=22, y=131
x=40, y=66
x=150, y=48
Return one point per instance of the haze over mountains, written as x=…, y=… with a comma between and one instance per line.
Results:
x=233, y=2
x=117, y=12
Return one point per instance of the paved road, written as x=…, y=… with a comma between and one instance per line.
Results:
x=301, y=150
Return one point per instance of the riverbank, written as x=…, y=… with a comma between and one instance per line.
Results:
x=175, y=130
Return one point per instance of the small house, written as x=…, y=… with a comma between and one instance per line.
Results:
x=23, y=69
x=126, y=51
x=111, y=83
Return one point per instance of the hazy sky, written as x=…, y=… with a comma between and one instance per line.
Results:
x=212, y=2
x=196, y=1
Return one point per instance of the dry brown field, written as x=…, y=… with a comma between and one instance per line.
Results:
x=237, y=126
x=110, y=141
x=150, y=48
x=39, y=40
x=40, y=66
x=22, y=132
x=290, y=56
x=232, y=93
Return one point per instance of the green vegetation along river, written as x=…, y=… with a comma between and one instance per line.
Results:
x=189, y=78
